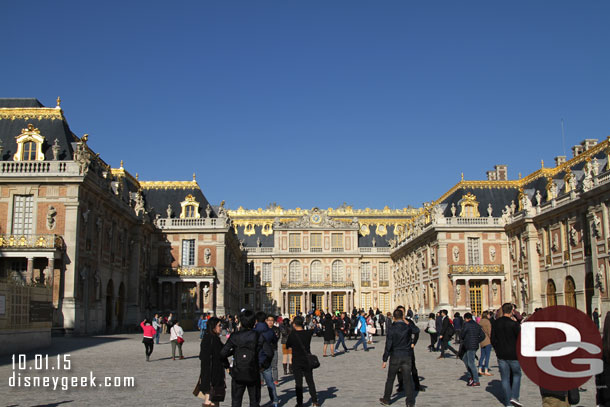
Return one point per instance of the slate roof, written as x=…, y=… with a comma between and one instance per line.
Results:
x=50, y=128
x=157, y=199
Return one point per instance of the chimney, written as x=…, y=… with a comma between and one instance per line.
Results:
x=491, y=175
x=577, y=150
x=560, y=159
x=501, y=172
x=588, y=143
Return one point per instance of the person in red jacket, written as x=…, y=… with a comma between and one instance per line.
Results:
x=147, y=340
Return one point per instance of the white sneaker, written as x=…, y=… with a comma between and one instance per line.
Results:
x=516, y=403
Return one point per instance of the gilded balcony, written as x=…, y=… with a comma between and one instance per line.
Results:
x=476, y=270
x=318, y=285
x=12, y=242
x=365, y=283
x=384, y=283
x=188, y=271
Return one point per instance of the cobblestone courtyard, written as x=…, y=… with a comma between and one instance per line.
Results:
x=353, y=379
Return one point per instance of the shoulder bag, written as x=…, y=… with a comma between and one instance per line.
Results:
x=312, y=359
x=179, y=339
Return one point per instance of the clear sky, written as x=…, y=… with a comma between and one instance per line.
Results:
x=313, y=103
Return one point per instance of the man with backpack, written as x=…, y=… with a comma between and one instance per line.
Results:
x=447, y=331
x=246, y=346
x=471, y=336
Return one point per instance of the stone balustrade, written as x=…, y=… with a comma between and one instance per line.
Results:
x=37, y=168
x=318, y=284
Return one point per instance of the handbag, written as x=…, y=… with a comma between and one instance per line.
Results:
x=371, y=330
x=197, y=392
x=217, y=393
x=179, y=339
x=312, y=359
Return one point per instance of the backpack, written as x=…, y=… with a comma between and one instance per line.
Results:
x=450, y=330
x=245, y=362
x=482, y=335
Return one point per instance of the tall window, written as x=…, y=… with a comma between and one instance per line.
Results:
x=188, y=252
x=365, y=301
x=266, y=273
x=338, y=271
x=365, y=271
x=23, y=210
x=29, y=151
x=474, y=257
x=249, y=276
x=337, y=242
x=384, y=271
x=189, y=211
x=316, y=274
x=384, y=302
x=294, y=269
x=316, y=242
x=294, y=242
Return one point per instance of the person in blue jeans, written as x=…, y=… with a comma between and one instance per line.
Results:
x=361, y=329
x=269, y=336
x=504, y=340
x=471, y=335
x=156, y=323
x=202, y=325
x=485, y=324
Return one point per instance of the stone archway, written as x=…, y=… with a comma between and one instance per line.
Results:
x=109, y=304
x=589, y=292
x=570, y=292
x=120, y=305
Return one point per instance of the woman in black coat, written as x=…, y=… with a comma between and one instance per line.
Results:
x=212, y=365
x=329, y=334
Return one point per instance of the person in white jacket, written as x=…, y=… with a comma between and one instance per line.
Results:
x=176, y=339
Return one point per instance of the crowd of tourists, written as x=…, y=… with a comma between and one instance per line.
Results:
x=247, y=348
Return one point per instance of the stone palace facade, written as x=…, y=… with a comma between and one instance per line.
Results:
x=113, y=248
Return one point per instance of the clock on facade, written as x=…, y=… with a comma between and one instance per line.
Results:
x=316, y=218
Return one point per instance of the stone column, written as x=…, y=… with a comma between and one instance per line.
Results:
x=490, y=294
x=443, y=271
x=49, y=275
x=455, y=303
x=535, y=285
x=29, y=273
x=467, y=293
x=198, y=297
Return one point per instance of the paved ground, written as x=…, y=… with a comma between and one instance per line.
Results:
x=353, y=379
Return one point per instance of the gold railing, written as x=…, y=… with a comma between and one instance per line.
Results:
x=365, y=283
x=188, y=271
x=319, y=284
x=384, y=283
x=31, y=242
x=473, y=269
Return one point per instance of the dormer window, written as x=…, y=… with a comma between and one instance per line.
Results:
x=470, y=206
x=190, y=207
x=29, y=145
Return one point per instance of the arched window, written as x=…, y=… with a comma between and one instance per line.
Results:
x=338, y=271
x=189, y=211
x=190, y=207
x=551, y=295
x=29, y=145
x=316, y=274
x=295, y=275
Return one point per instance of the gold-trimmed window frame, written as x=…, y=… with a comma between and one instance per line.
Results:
x=30, y=134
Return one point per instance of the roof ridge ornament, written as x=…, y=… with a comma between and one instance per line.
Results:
x=58, y=103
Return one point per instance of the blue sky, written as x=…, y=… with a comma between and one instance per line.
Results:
x=313, y=103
